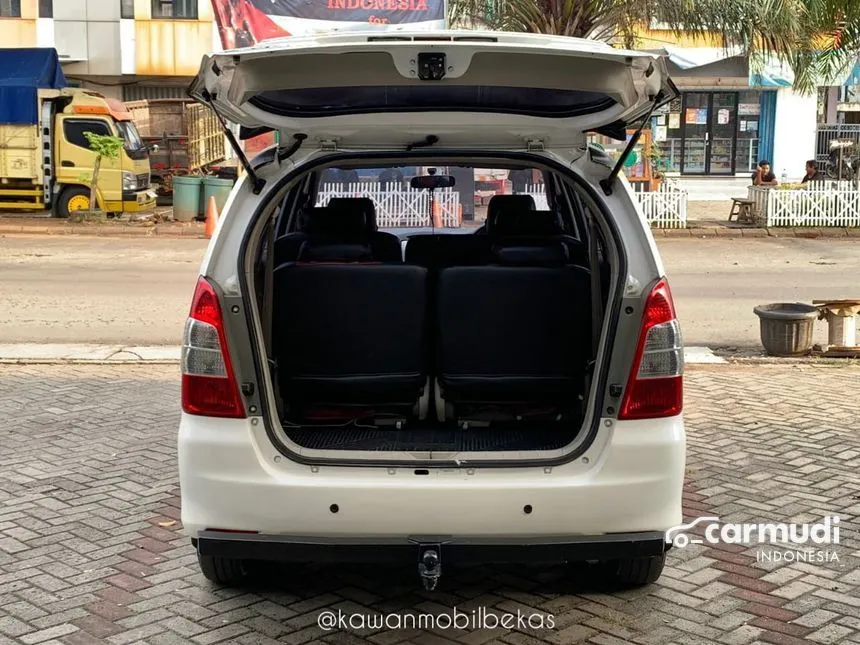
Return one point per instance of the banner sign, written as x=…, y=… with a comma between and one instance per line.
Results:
x=243, y=23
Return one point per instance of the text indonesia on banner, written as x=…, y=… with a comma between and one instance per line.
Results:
x=242, y=23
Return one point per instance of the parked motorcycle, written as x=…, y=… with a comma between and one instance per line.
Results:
x=843, y=161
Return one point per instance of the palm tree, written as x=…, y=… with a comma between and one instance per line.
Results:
x=816, y=38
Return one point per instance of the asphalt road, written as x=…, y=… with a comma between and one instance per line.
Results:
x=137, y=291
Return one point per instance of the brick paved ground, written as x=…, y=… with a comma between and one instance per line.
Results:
x=89, y=551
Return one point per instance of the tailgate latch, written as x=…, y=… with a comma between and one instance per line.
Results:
x=535, y=145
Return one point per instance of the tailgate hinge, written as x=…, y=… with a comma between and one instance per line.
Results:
x=535, y=145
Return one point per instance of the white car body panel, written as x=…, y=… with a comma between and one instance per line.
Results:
x=633, y=80
x=232, y=477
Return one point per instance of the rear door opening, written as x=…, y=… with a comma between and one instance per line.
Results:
x=479, y=338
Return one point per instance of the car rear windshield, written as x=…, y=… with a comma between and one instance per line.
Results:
x=335, y=101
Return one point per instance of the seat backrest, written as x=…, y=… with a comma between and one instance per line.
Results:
x=351, y=331
x=513, y=332
x=536, y=228
x=446, y=250
x=339, y=232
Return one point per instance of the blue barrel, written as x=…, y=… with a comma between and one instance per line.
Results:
x=186, y=198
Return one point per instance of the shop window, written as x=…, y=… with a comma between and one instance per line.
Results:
x=10, y=8
x=181, y=9
x=749, y=118
x=46, y=8
x=126, y=9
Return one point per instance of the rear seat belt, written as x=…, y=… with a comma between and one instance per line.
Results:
x=268, y=296
x=596, y=298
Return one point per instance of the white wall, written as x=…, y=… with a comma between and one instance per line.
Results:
x=794, y=132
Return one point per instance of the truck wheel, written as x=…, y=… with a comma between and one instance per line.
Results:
x=224, y=571
x=74, y=198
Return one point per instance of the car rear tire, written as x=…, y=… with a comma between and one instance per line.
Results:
x=631, y=572
x=224, y=571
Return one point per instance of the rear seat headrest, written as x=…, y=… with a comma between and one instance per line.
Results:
x=505, y=203
x=341, y=223
x=352, y=206
x=551, y=254
x=528, y=222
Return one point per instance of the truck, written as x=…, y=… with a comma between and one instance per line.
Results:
x=186, y=137
x=45, y=157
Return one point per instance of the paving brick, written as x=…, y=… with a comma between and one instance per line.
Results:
x=765, y=443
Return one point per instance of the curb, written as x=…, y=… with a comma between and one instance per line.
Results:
x=195, y=230
x=726, y=232
x=118, y=230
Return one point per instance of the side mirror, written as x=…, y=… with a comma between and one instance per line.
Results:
x=154, y=148
x=431, y=182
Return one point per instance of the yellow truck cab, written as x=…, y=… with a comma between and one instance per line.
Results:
x=45, y=158
x=123, y=183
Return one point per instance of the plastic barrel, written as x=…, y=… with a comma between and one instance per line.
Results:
x=217, y=188
x=786, y=328
x=186, y=198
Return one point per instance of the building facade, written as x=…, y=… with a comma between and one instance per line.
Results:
x=729, y=117
x=126, y=49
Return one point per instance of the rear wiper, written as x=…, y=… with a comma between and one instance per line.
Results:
x=606, y=184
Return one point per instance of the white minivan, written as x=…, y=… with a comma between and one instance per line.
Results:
x=366, y=377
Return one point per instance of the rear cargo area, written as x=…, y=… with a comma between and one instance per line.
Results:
x=473, y=341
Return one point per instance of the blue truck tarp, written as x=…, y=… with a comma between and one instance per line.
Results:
x=25, y=71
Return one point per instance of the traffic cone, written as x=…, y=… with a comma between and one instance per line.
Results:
x=437, y=215
x=211, y=216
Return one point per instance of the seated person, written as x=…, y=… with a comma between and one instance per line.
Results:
x=763, y=176
x=812, y=173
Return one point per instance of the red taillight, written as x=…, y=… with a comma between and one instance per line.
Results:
x=209, y=386
x=655, y=388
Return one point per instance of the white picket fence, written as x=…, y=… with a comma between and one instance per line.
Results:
x=821, y=204
x=402, y=206
x=399, y=206
x=665, y=208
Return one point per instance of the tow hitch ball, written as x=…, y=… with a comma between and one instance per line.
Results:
x=430, y=566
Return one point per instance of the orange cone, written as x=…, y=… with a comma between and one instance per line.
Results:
x=211, y=217
x=437, y=215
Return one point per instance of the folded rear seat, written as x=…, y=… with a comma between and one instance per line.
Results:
x=349, y=328
x=516, y=331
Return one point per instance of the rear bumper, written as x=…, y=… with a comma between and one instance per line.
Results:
x=629, y=481
x=281, y=548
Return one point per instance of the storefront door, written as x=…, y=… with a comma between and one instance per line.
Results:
x=709, y=125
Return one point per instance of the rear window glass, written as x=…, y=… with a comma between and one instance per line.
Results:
x=332, y=101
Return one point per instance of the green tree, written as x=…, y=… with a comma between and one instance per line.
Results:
x=105, y=146
x=818, y=39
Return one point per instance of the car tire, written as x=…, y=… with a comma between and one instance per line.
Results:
x=67, y=197
x=224, y=571
x=631, y=572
